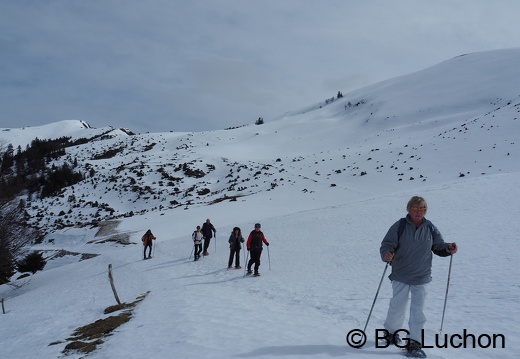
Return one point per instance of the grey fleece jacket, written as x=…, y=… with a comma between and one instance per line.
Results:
x=412, y=261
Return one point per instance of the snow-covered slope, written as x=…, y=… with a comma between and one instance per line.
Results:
x=75, y=129
x=459, y=118
x=326, y=182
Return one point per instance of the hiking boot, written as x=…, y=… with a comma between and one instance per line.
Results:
x=205, y=254
x=413, y=349
x=256, y=274
x=238, y=267
x=249, y=271
x=229, y=267
x=393, y=339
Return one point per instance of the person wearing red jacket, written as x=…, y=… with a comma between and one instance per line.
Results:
x=254, y=246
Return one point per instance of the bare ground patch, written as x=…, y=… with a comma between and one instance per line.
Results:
x=83, y=256
x=107, y=232
x=87, y=338
x=107, y=228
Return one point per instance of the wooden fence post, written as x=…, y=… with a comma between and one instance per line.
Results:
x=111, y=278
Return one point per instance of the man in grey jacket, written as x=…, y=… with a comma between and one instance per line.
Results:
x=410, y=254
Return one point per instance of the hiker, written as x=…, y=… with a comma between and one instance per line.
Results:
x=208, y=231
x=147, y=239
x=235, y=240
x=254, y=245
x=410, y=255
x=197, y=242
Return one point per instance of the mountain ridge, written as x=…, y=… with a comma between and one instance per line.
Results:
x=412, y=118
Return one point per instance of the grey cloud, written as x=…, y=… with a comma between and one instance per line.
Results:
x=202, y=65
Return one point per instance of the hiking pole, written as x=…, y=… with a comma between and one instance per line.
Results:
x=446, y=297
x=375, y=298
x=192, y=249
x=154, y=249
x=269, y=257
x=215, y=243
x=245, y=263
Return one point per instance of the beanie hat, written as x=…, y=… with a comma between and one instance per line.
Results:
x=257, y=225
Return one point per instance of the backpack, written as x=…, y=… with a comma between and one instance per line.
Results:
x=196, y=240
x=147, y=238
x=256, y=240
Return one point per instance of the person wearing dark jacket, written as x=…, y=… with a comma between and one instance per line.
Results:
x=235, y=240
x=254, y=245
x=410, y=255
x=207, y=231
x=147, y=239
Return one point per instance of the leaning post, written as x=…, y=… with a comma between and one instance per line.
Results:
x=111, y=278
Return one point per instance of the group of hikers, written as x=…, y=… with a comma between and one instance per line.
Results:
x=407, y=247
x=254, y=245
x=204, y=234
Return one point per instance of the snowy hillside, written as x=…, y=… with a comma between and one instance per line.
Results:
x=326, y=182
x=387, y=133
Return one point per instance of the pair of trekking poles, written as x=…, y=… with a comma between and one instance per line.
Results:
x=379, y=287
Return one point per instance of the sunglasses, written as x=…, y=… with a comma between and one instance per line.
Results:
x=418, y=209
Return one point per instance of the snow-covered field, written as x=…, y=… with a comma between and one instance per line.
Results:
x=322, y=269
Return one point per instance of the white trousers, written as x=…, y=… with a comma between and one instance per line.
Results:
x=397, y=309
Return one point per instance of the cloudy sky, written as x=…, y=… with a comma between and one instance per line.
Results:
x=175, y=65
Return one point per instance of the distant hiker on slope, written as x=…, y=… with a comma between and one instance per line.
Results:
x=147, y=239
x=197, y=242
x=408, y=247
x=254, y=245
x=235, y=240
x=207, y=231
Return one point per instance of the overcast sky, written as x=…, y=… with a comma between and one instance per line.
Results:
x=176, y=65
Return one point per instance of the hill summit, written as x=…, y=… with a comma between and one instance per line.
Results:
x=460, y=115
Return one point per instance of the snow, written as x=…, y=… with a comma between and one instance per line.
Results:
x=322, y=269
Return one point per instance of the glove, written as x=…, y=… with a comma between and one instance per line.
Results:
x=248, y=248
x=452, y=247
x=267, y=244
x=388, y=257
